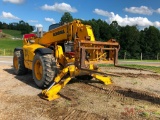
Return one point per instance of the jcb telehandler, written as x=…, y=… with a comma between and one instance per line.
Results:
x=64, y=52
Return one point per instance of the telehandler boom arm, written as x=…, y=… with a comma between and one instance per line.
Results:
x=67, y=51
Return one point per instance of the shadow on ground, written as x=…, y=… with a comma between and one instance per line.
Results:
x=27, y=79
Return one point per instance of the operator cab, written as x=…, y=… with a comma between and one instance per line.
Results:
x=53, y=26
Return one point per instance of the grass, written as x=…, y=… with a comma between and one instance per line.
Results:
x=105, y=65
x=144, y=114
x=10, y=44
x=7, y=46
x=14, y=33
x=140, y=60
x=151, y=68
x=157, y=113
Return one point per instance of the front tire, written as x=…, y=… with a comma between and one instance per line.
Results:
x=43, y=70
x=18, y=63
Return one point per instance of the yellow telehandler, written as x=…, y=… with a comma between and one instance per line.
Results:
x=64, y=52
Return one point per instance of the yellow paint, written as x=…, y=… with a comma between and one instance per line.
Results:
x=52, y=94
x=59, y=55
x=28, y=51
x=74, y=31
x=106, y=80
x=67, y=32
x=15, y=62
x=61, y=75
x=38, y=70
x=91, y=66
x=90, y=32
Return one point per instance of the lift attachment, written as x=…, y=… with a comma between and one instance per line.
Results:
x=87, y=55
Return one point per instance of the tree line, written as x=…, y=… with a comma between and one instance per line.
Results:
x=22, y=26
x=133, y=41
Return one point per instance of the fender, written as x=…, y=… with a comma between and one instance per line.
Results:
x=17, y=49
x=43, y=51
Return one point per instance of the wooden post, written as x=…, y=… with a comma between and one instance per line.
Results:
x=4, y=52
x=124, y=55
x=141, y=56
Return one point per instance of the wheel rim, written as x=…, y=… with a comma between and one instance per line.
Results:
x=15, y=60
x=38, y=70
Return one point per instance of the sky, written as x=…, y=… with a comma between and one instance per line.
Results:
x=42, y=13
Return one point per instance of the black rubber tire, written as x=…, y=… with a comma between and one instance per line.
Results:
x=19, y=58
x=49, y=70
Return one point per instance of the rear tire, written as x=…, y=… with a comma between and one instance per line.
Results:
x=18, y=63
x=43, y=70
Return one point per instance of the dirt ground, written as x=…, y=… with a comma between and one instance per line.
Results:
x=135, y=96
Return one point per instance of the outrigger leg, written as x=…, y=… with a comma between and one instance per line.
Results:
x=52, y=92
x=106, y=79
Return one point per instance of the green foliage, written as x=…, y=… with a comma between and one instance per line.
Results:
x=67, y=17
x=21, y=26
x=10, y=44
x=149, y=41
x=132, y=40
x=152, y=68
x=14, y=33
x=105, y=65
x=145, y=114
x=114, y=29
x=129, y=40
x=24, y=27
x=103, y=30
x=95, y=27
x=6, y=52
